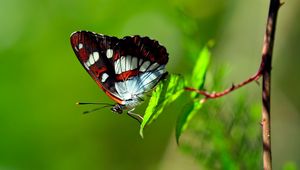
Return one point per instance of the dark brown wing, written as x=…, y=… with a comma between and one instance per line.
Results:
x=91, y=50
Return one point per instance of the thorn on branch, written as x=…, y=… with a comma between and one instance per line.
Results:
x=232, y=87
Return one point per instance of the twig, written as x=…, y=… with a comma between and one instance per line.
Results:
x=264, y=71
x=214, y=95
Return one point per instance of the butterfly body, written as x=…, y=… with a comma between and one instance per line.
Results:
x=125, y=69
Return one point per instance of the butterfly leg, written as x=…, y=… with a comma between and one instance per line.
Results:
x=135, y=116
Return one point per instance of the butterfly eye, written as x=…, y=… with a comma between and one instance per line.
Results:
x=117, y=109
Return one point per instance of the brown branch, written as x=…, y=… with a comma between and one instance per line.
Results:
x=214, y=95
x=264, y=71
x=266, y=83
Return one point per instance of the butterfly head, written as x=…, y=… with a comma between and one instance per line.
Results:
x=127, y=104
x=118, y=108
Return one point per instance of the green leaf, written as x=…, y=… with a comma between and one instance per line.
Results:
x=183, y=120
x=166, y=92
x=198, y=78
x=199, y=72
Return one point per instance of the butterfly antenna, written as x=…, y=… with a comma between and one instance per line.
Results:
x=93, y=110
x=93, y=103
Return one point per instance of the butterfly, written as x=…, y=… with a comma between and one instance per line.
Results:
x=125, y=69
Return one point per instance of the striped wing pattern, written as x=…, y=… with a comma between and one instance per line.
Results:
x=124, y=68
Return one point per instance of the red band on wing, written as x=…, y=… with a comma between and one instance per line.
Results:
x=126, y=75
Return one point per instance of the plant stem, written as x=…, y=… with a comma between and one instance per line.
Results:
x=266, y=64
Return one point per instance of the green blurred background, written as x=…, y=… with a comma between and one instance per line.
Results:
x=41, y=79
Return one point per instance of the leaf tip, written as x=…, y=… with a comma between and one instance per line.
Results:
x=177, y=139
x=141, y=133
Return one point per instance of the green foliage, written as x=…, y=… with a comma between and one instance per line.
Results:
x=188, y=113
x=226, y=134
x=198, y=78
x=166, y=92
x=200, y=69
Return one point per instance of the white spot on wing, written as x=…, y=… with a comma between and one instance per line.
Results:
x=104, y=77
x=80, y=46
x=86, y=66
x=109, y=53
x=128, y=63
x=140, y=61
x=91, y=59
x=123, y=64
x=117, y=66
x=153, y=66
x=134, y=63
x=96, y=56
x=144, y=66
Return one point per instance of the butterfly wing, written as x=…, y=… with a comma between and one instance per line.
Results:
x=94, y=53
x=139, y=66
x=124, y=68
